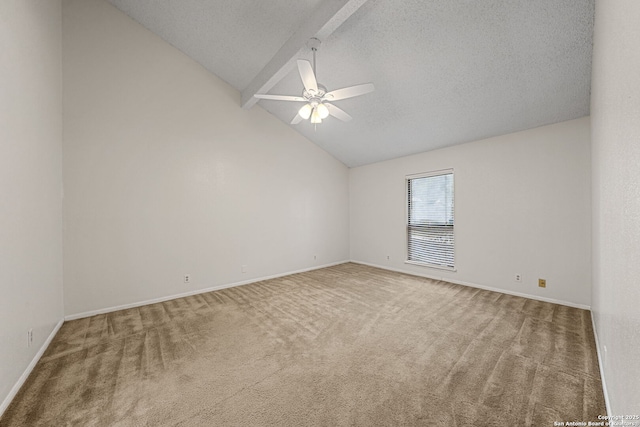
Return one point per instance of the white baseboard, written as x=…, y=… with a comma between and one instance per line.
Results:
x=196, y=292
x=27, y=372
x=601, y=366
x=474, y=285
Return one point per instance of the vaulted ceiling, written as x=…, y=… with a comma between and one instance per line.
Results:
x=445, y=71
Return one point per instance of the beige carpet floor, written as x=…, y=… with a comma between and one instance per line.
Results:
x=345, y=345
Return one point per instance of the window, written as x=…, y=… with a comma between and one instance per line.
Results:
x=430, y=236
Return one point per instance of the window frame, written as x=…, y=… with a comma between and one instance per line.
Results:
x=407, y=180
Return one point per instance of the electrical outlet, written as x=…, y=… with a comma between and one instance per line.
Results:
x=518, y=277
x=187, y=278
x=542, y=283
x=29, y=337
x=244, y=268
x=388, y=257
x=315, y=257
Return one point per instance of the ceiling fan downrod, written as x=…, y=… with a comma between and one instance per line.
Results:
x=314, y=44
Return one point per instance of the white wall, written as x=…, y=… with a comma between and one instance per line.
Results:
x=615, y=107
x=165, y=174
x=522, y=205
x=30, y=183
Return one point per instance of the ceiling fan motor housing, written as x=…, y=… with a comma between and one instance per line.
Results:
x=311, y=96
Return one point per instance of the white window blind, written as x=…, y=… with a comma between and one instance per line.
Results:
x=430, y=236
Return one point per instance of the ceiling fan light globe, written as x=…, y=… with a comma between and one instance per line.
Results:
x=315, y=117
x=305, y=111
x=323, y=111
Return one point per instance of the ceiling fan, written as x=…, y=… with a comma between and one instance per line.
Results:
x=316, y=97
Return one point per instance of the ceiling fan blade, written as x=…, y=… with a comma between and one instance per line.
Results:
x=349, y=92
x=338, y=113
x=307, y=76
x=279, y=97
x=297, y=119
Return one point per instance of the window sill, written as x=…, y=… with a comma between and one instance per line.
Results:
x=424, y=264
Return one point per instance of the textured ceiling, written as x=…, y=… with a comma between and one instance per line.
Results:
x=445, y=71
